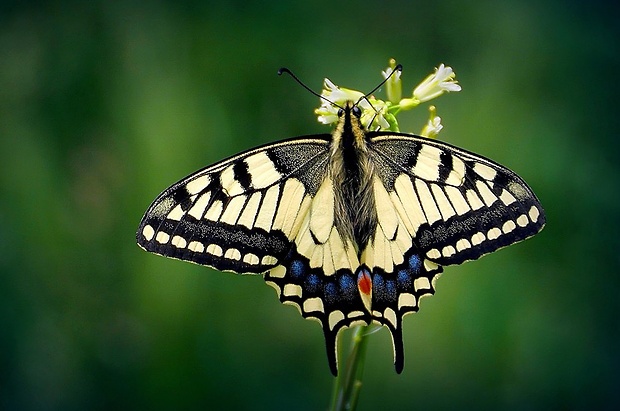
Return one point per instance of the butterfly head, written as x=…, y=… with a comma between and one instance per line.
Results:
x=349, y=126
x=351, y=108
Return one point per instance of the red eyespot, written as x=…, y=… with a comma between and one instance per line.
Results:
x=364, y=282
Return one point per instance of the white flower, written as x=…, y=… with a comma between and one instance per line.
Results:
x=339, y=95
x=442, y=80
x=327, y=113
x=373, y=114
x=433, y=126
x=336, y=97
x=393, y=83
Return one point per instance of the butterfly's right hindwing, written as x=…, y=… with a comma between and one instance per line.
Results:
x=237, y=215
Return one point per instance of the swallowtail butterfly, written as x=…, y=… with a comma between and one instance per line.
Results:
x=351, y=228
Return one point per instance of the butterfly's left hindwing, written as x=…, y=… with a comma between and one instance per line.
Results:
x=237, y=215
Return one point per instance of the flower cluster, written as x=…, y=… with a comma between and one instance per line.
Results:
x=381, y=115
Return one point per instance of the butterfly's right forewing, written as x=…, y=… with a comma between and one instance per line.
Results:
x=458, y=205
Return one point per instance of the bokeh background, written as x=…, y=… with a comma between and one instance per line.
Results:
x=103, y=104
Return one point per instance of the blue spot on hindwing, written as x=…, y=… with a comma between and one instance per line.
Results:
x=378, y=287
x=403, y=280
x=390, y=290
x=312, y=284
x=331, y=293
x=348, y=287
x=415, y=263
x=297, y=269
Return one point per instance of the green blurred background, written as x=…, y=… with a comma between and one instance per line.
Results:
x=103, y=104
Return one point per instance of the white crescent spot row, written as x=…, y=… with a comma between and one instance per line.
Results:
x=492, y=234
x=214, y=249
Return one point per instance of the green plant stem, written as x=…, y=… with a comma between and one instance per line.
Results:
x=348, y=384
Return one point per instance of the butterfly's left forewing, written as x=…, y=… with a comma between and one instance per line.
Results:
x=237, y=215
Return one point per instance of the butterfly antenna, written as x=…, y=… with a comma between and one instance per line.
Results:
x=290, y=73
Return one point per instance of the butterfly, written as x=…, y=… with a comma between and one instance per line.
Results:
x=351, y=228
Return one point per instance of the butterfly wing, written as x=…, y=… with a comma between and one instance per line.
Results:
x=236, y=215
x=269, y=210
x=436, y=205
